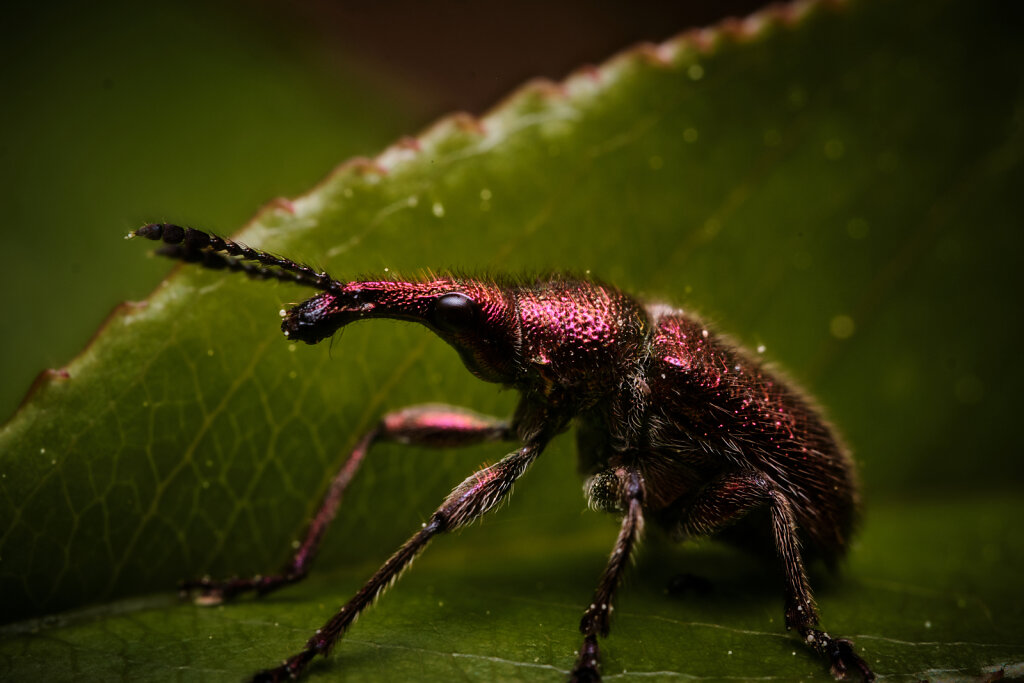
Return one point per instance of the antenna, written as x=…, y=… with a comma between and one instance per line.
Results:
x=220, y=253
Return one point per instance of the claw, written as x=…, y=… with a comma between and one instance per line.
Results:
x=289, y=670
x=585, y=676
x=207, y=593
x=209, y=599
x=586, y=670
x=843, y=658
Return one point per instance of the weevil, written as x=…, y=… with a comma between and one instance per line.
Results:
x=674, y=424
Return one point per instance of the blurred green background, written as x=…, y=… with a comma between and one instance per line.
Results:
x=123, y=113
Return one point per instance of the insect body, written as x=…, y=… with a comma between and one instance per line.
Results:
x=674, y=425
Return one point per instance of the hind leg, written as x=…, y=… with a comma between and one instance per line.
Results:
x=732, y=496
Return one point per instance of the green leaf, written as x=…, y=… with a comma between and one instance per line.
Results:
x=837, y=183
x=486, y=606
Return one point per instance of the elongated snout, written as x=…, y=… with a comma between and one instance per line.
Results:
x=321, y=316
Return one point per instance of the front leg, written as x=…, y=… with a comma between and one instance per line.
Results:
x=434, y=426
x=469, y=500
x=597, y=618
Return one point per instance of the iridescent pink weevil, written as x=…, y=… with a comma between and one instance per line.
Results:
x=673, y=425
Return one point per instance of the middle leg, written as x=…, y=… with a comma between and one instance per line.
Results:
x=597, y=618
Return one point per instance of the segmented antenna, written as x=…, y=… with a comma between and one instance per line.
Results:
x=196, y=246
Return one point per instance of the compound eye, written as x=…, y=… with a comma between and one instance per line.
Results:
x=455, y=312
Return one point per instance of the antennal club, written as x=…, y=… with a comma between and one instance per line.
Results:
x=217, y=253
